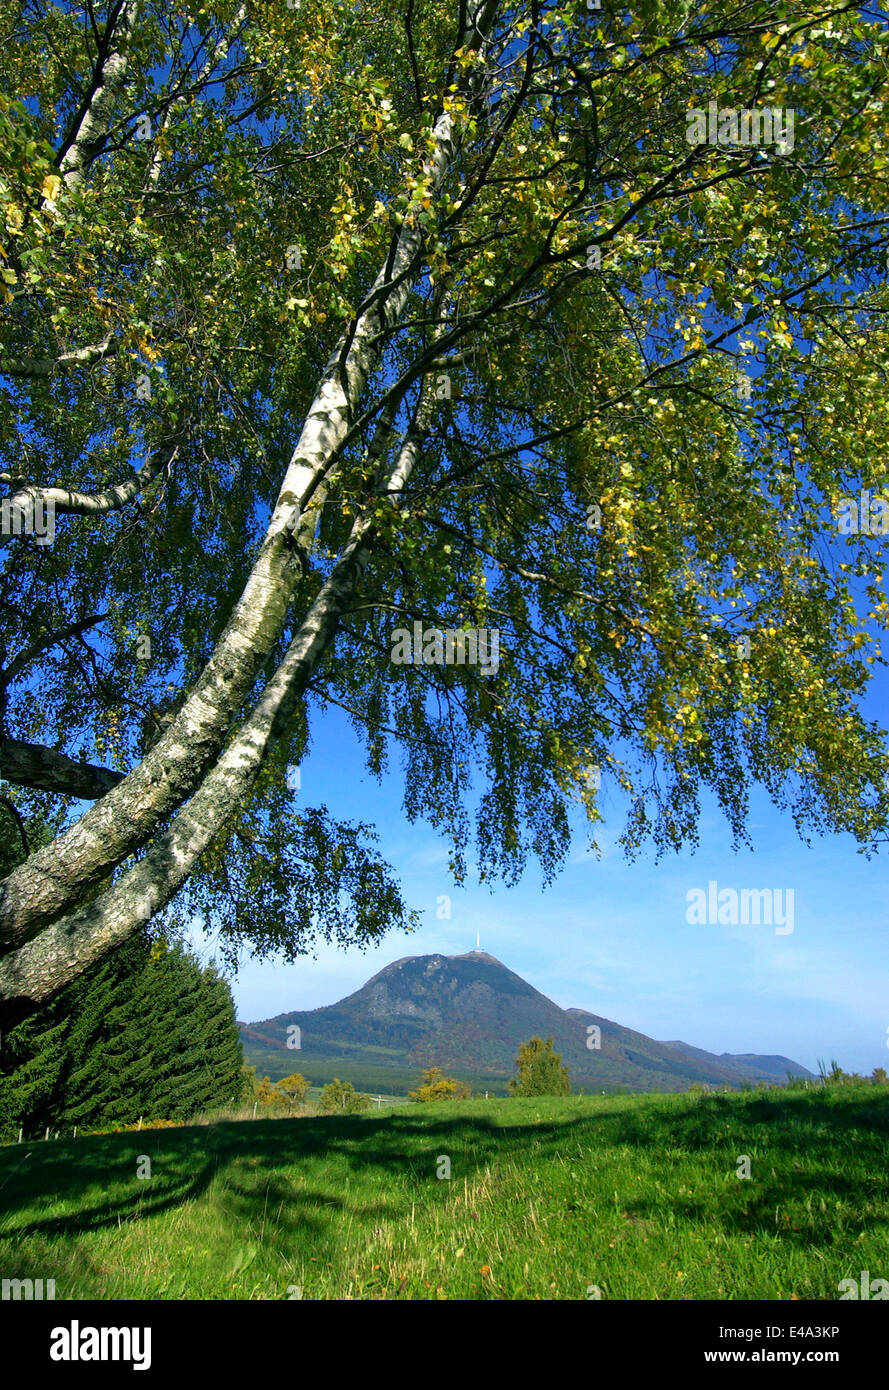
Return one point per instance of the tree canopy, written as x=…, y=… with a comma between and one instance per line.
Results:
x=326, y=320
x=338, y=1096
x=539, y=1071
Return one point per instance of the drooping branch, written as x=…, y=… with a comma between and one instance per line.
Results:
x=19, y=820
x=33, y=765
x=180, y=101
x=504, y=562
x=43, y=644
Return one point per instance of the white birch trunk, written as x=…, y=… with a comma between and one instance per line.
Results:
x=32, y=974
x=58, y=876
x=55, y=879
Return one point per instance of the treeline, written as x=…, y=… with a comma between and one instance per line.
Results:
x=147, y=1032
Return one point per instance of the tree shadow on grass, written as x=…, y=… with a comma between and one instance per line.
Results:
x=65, y=1175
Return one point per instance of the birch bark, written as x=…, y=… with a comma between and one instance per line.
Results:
x=95, y=123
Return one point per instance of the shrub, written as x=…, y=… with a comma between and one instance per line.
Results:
x=341, y=1096
x=437, y=1086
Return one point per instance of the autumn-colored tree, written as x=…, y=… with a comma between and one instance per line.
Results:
x=293, y=1088
x=266, y=1095
x=539, y=1071
x=333, y=337
x=437, y=1086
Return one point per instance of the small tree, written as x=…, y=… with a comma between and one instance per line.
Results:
x=266, y=1094
x=879, y=1077
x=437, y=1086
x=293, y=1088
x=540, y=1071
x=248, y=1083
x=341, y=1096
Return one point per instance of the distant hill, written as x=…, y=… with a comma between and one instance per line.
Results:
x=468, y=1014
x=749, y=1066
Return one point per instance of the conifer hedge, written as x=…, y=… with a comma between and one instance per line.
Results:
x=148, y=1031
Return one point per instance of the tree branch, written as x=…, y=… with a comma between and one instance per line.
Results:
x=17, y=817
x=42, y=367
x=43, y=769
x=50, y=639
x=65, y=500
x=94, y=117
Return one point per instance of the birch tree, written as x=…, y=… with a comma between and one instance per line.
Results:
x=328, y=324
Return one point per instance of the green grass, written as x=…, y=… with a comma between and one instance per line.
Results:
x=637, y=1195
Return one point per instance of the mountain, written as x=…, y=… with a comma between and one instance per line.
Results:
x=468, y=1014
x=748, y=1066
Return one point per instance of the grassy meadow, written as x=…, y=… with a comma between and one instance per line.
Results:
x=551, y=1198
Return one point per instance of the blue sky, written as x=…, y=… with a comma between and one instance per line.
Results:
x=612, y=937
